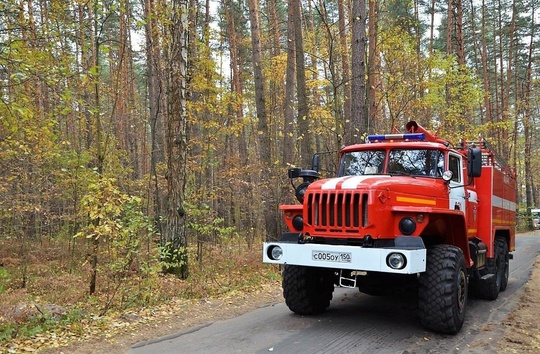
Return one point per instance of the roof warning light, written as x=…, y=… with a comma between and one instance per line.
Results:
x=387, y=137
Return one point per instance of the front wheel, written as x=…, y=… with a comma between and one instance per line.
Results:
x=443, y=290
x=307, y=290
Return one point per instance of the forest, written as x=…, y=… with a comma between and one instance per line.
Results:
x=144, y=144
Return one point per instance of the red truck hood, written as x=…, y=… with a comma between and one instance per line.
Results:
x=422, y=186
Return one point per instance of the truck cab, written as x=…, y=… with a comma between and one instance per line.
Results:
x=404, y=212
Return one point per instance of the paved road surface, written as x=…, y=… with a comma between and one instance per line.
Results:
x=355, y=323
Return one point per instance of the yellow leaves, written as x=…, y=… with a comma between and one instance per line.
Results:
x=418, y=86
x=277, y=68
x=103, y=205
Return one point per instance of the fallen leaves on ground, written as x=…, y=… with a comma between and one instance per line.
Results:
x=522, y=334
x=115, y=324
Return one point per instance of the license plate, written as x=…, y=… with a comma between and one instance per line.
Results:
x=339, y=257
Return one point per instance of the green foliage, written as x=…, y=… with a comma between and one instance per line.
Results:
x=172, y=258
x=4, y=279
x=116, y=219
x=39, y=323
x=207, y=226
x=524, y=218
x=433, y=90
x=133, y=227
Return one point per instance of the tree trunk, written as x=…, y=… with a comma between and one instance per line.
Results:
x=508, y=84
x=345, y=66
x=460, y=46
x=359, y=122
x=487, y=89
x=528, y=123
x=501, y=102
x=476, y=50
x=288, y=125
x=373, y=64
x=262, y=125
x=155, y=93
x=449, y=26
x=304, y=134
x=174, y=255
x=270, y=206
x=97, y=127
x=276, y=48
x=431, y=26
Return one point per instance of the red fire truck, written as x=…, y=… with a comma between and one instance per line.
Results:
x=406, y=211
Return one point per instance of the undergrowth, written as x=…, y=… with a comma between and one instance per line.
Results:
x=52, y=281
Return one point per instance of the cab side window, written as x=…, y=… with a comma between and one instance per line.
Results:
x=454, y=165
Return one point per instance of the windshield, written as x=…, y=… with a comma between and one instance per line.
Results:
x=367, y=162
x=415, y=162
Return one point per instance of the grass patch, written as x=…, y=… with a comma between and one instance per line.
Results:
x=4, y=279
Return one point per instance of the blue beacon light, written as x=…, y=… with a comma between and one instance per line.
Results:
x=386, y=137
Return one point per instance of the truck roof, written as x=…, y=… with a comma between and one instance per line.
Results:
x=395, y=144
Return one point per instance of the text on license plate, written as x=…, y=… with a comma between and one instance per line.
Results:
x=341, y=257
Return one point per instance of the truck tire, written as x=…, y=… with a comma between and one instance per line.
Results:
x=307, y=290
x=502, y=261
x=443, y=290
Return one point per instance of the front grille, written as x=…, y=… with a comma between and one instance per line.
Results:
x=337, y=211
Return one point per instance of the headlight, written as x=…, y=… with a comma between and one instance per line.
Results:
x=275, y=253
x=396, y=261
x=447, y=175
x=407, y=226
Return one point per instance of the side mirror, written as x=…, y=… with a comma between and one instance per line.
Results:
x=308, y=176
x=293, y=172
x=474, y=163
x=315, y=162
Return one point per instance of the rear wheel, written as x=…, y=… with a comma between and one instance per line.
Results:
x=443, y=288
x=503, y=269
x=307, y=290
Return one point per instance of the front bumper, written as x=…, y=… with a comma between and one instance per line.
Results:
x=345, y=257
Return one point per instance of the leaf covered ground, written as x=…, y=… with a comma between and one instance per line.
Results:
x=53, y=309
x=117, y=330
x=522, y=333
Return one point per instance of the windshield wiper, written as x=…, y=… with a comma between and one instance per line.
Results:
x=401, y=173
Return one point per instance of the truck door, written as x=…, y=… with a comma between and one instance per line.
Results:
x=472, y=212
x=457, y=190
x=461, y=197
